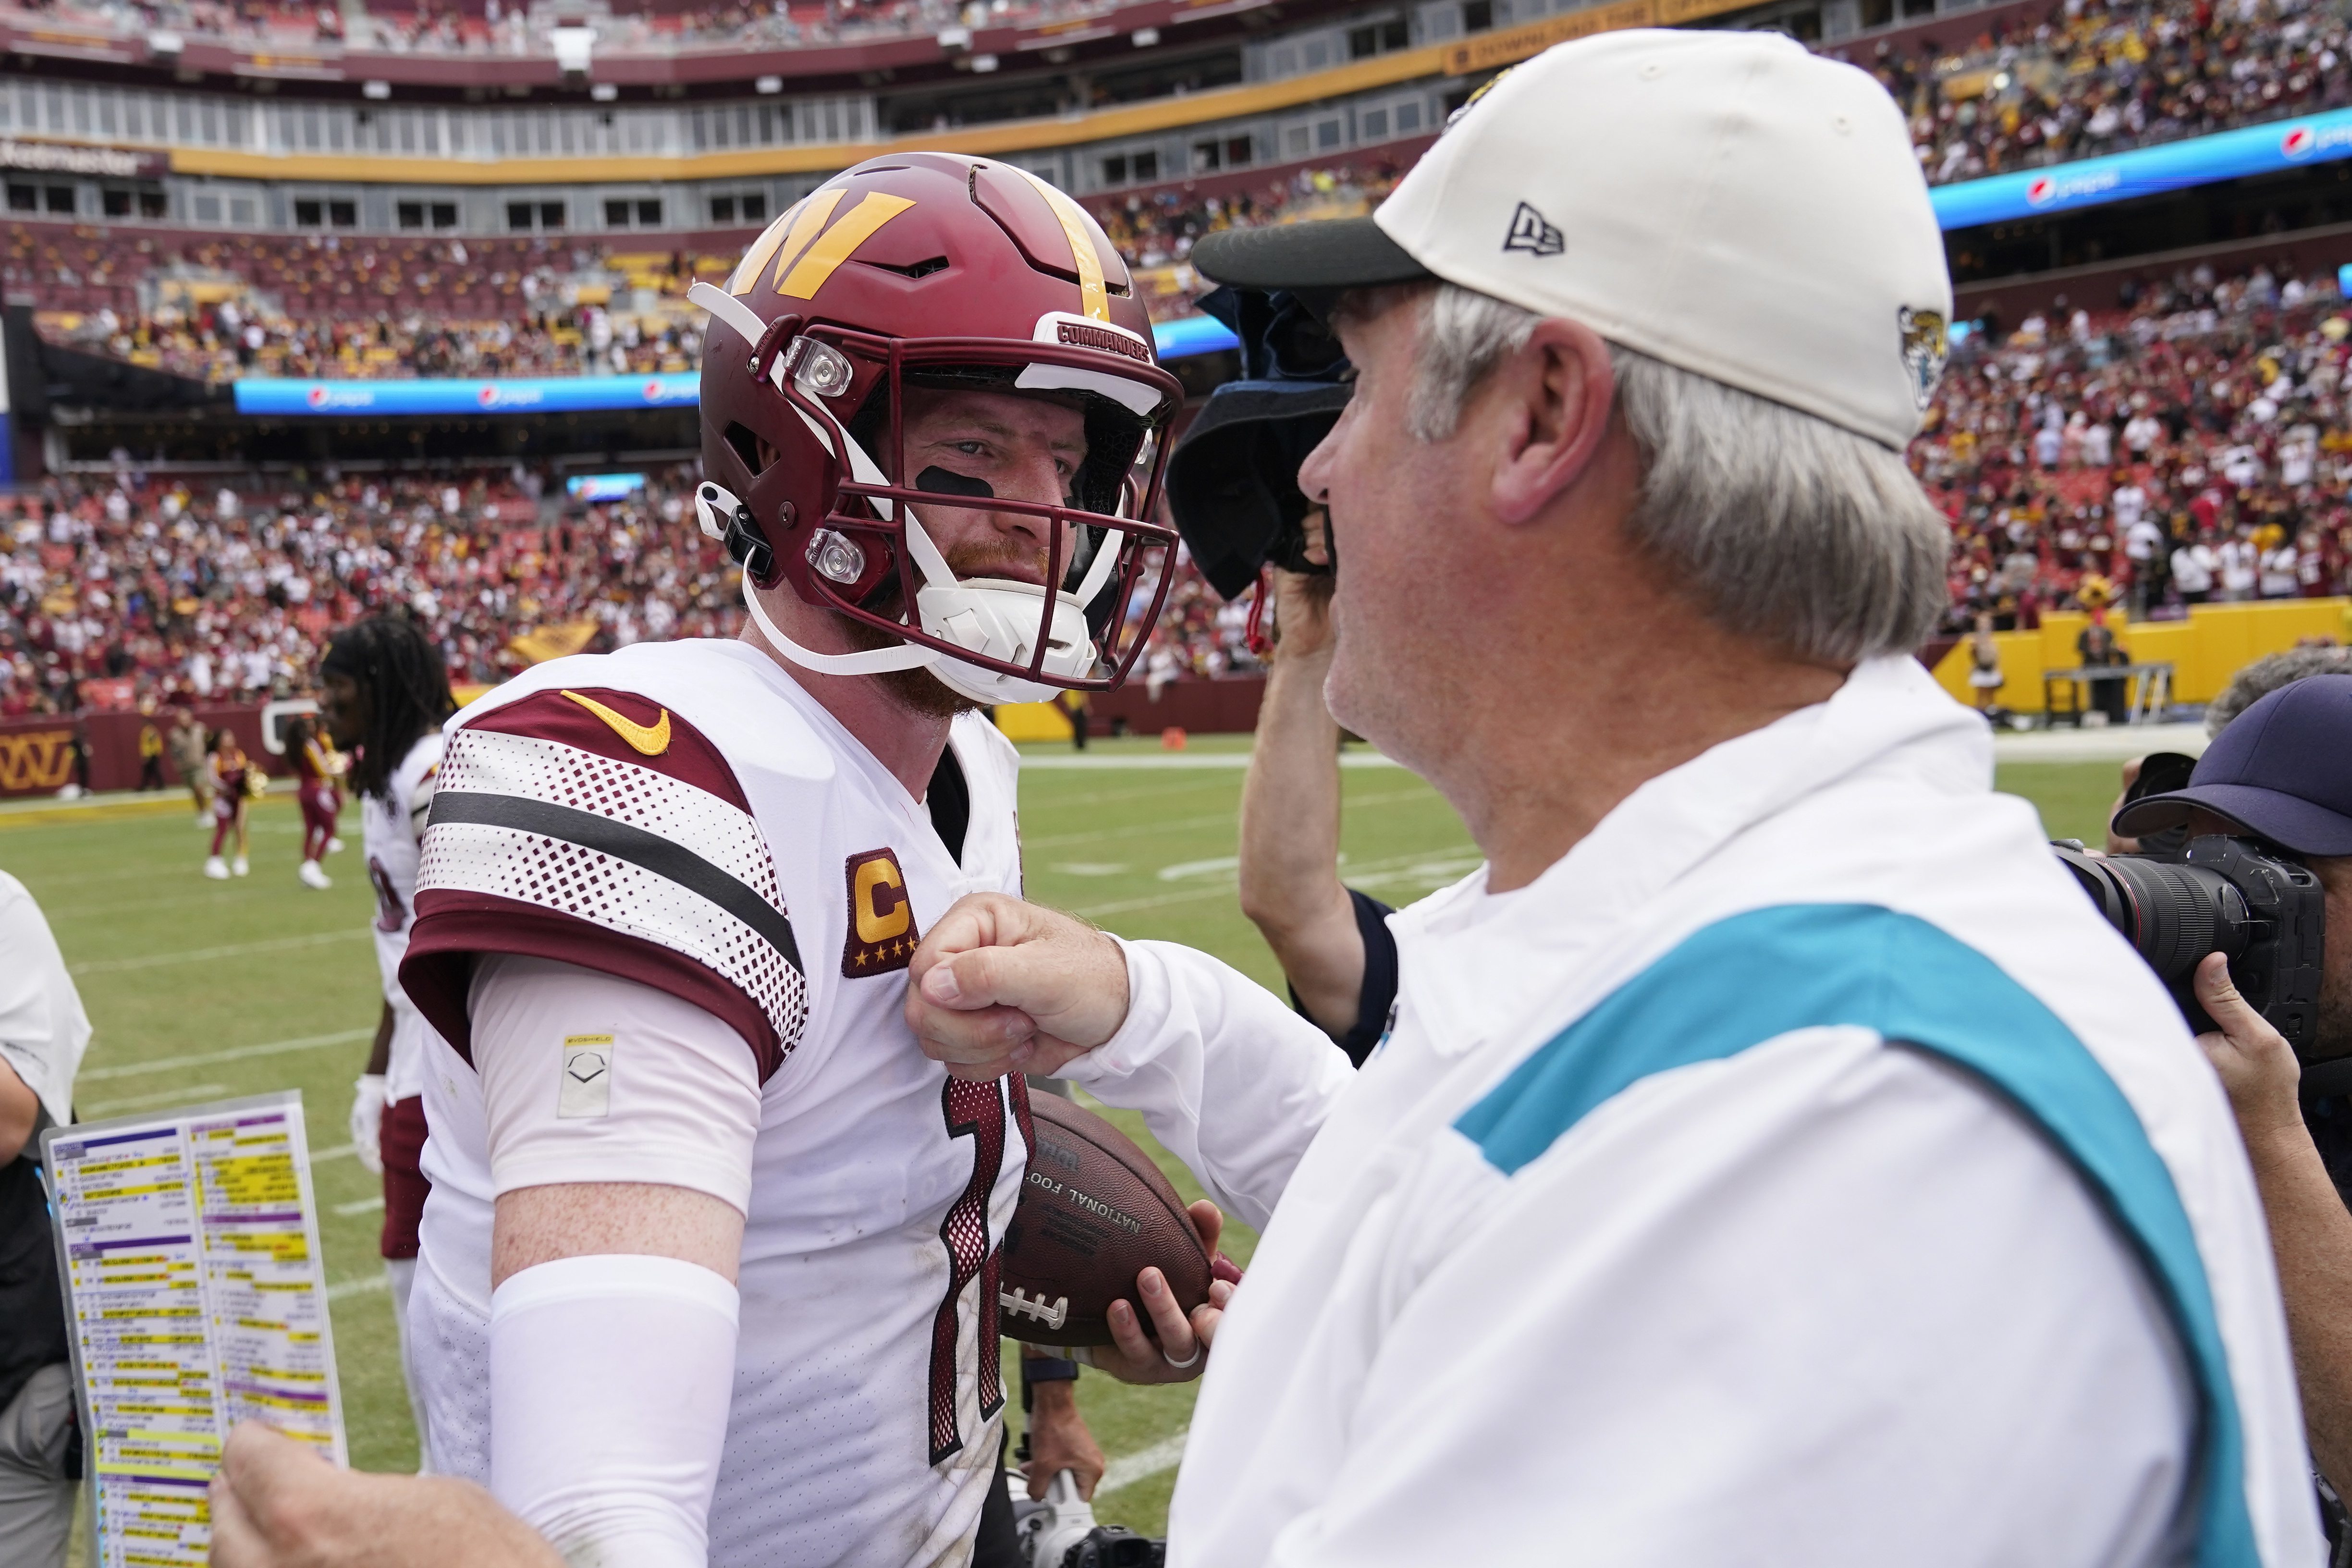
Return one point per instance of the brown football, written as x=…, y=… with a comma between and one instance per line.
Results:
x=1094, y=1213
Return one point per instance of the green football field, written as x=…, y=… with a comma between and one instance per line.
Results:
x=203, y=990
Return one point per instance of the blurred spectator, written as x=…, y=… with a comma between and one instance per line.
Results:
x=229, y=598
x=2171, y=453
x=2086, y=78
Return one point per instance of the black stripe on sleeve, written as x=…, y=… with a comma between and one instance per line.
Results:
x=621, y=842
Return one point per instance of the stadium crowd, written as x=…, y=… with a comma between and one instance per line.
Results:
x=217, y=307
x=2088, y=78
x=2195, y=447
x=422, y=26
x=2082, y=79
x=163, y=589
x=123, y=591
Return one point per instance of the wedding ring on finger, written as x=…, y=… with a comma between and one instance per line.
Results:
x=1185, y=1365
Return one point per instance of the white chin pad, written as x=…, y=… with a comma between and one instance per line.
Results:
x=996, y=618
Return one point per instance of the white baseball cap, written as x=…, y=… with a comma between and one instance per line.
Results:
x=1725, y=201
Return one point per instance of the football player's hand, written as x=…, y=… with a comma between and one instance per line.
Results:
x=1060, y=1440
x=1181, y=1349
x=2256, y=1065
x=278, y=1503
x=369, y=1095
x=1002, y=985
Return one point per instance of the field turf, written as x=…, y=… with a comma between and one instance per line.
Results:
x=203, y=990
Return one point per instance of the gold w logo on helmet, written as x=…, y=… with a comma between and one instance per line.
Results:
x=805, y=250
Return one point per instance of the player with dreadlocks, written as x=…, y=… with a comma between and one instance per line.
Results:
x=384, y=693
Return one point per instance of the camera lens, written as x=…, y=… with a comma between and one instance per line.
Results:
x=2173, y=914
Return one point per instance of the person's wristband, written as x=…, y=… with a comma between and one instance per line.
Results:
x=1047, y=1369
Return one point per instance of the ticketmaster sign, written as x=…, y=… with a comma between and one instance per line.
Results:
x=2147, y=171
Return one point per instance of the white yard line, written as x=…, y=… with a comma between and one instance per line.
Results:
x=340, y=1152
x=2112, y=744
x=1130, y=1468
x=1081, y=762
x=187, y=1094
x=364, y=1206
x=365, y=1285
x=233, y=1054
x=234, y=950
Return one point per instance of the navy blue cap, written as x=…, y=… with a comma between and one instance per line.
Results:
x=2281, y=770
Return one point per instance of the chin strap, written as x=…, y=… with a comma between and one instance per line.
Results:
x=867, y=661
x=729, y=309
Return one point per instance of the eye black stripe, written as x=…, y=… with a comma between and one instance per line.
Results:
x=622, y=842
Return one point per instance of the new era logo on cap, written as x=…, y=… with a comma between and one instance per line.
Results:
x=1531, y=233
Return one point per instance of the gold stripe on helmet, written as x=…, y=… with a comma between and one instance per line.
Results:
x=832, y=247
x=1094, y=300
x=812, y=213
x=746, y=271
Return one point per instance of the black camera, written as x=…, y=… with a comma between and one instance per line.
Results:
x=1115, y=1546
x=1233, y=480
x=2222, y=894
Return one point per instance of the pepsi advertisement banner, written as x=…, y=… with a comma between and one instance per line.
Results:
x=2147, y=171
x=566, y=393
x=537, y=395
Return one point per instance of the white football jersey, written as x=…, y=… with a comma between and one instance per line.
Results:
x=684, y=814
x=391, y=828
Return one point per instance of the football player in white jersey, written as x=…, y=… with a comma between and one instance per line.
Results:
x=383, y=693
x=708, y=1269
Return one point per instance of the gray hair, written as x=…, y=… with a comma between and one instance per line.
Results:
x=1783, y=526
x=2268, y=674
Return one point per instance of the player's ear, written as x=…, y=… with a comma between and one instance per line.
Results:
x=1551, y=401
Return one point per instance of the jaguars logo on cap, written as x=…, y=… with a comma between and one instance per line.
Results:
x=1925, y=345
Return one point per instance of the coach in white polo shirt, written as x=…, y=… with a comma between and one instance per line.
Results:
x=1772, y=1158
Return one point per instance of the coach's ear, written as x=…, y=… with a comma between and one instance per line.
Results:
x=1549, y=404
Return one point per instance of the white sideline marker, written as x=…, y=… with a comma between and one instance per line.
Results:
x=1130, y=1468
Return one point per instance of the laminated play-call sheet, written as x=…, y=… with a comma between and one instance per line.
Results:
x=189, y=1247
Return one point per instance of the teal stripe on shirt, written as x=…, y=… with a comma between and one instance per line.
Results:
x=1755, y=977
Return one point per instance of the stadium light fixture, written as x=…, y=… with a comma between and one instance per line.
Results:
x=574, y=44
x=605, y=92
x=983, y=63
x=1145, y=38
x=378, y=90
x=769, y=84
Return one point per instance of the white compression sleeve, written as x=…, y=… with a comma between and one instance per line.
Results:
x=623, y=1368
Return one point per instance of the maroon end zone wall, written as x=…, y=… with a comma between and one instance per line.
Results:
x=36, y=753
x=1201, y=707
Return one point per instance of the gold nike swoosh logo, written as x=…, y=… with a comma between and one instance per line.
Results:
x=646, y=739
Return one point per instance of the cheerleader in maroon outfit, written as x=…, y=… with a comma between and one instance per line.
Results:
x=233, y=776
x=317, y=767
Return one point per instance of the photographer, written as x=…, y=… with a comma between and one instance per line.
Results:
x=43, y=1033
x=1233, y=492
x=2278, y=774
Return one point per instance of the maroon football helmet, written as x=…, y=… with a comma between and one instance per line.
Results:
x=928, y=269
